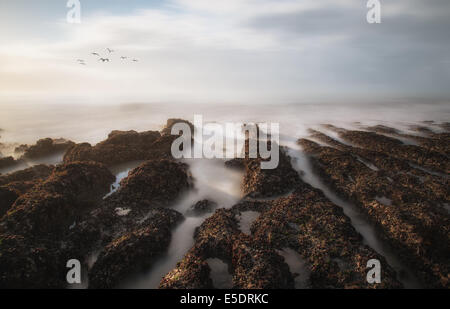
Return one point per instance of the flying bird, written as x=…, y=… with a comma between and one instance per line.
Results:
x=110, y=50
x=135, y=60
x=104, y=59
x=96, y=54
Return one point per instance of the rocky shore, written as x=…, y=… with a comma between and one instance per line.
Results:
x=398, y=180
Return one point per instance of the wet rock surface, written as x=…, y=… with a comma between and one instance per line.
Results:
x=412, y=222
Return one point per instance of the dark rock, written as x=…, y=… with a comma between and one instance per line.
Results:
x=21, y=149
x=7, y=198
x=157, y=181
x=119, y=147
x=410, y=222
x=8, y=162
x=15, y=184
x=253, y=265
x=307, y=222
x=133, y=251
x=32, y=232
x=37, y=172
x=236, y=163
x=46, y=147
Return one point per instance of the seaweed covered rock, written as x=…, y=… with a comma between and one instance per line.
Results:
x=259, y=182
x=7, y=198
x=192, y=272
x=258, y=266
x=119, y=147
x=376, y=142
x=126, y=146
x=307, y=222
x=171, y=122
x=129, y=227
x=15, y=184
x=134, y=251
x=253, y=264
x=52, y=204
x=8, y=162
x=157, y=181
x=37, y=172
x=32, y=232
x=262, y=182
x=46, y=147
x=400, y=200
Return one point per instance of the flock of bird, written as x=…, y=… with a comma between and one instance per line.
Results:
x=105, y=59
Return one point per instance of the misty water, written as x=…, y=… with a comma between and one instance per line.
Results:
x=212, y=181
x=26, y=123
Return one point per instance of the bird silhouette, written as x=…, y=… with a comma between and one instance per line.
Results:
x=110, y=50
x=104, y=59
x=135, y=60
x=95, y=54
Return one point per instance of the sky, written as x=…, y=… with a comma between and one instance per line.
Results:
x=234, y=51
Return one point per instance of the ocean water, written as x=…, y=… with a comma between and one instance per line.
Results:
x=26, y=123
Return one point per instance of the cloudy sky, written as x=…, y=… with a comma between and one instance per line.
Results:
x=225, y=51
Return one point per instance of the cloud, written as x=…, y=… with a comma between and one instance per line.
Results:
x=233, y=51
